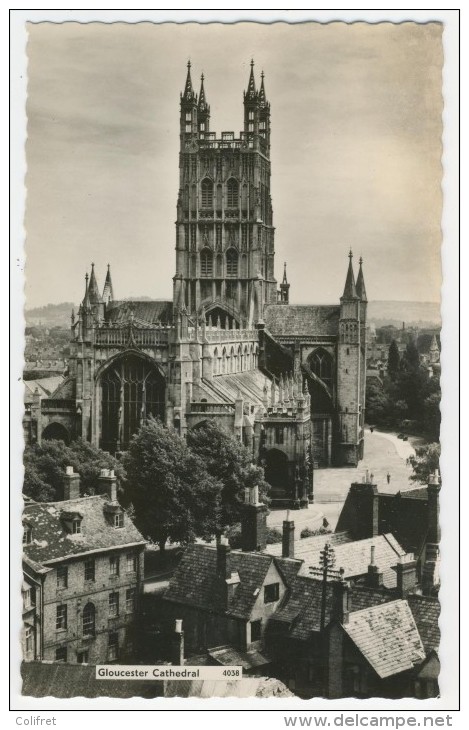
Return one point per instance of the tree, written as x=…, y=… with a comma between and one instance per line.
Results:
x=44, y=468
x=172, y=494
x=229, y=462
x=377, y=403
x=411, y=359
x=394, y=360
x=425, y=461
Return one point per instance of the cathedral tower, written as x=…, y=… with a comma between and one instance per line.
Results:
x=224, y=232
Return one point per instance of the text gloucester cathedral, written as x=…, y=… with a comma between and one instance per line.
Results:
x=287, y=380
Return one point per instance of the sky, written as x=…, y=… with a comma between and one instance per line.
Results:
x=356, y=115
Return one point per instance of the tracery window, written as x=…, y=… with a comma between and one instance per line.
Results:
x=320, y=363
x=207, y=193
x=232, y=193
x=231, y=262
x=206, y=262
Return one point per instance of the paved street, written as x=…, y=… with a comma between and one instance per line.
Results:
x=384, y=453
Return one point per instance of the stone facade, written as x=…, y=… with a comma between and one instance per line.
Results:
x=287, y=380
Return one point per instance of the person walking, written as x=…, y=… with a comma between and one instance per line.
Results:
x=388, y=477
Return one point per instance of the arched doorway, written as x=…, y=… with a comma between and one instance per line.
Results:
x=132, y=389
x=56, y=432
x=276, y=470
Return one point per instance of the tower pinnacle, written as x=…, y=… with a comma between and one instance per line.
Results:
x=361, y=291
x=188, y=90
x=251, y=92
x=350, y=291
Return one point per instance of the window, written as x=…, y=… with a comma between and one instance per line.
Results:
x=271, y=592
x=28, y=597
x=62, y=576
x=114, y=565
x=61, y=617
x=279, y=434
x=113, y=604
x=119, y=520
x=188, y=116
x=82, y=657
x=320, y=363
x=130, y=600
x=232, y=193
x=76, y=527
x=61, y=654
x=131, y=563
x=206, y=263
x=207, y=193
x=256, y=630
x=89, y=569
x=88, y=619
x=27, y=535
x=231, y=262
x=113, y=646
x=28, y=636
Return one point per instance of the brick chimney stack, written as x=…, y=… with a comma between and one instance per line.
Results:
x=71, y=484
x=288, y=537
x=406, y=570
x=254, y=522
x=365, y=500
x=228, y=580
x=433, y=490
x=108, y=484
x=341, y=600
x=177, y=644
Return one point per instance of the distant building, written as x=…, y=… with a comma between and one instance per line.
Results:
x=83, y=577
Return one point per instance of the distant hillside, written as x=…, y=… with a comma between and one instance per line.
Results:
x=422, y=314
x=425, y=314
x=52, y=315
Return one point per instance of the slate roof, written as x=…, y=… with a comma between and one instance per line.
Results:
x=426, y=612
x=305, y=545
x=51, y=542
x=46, y=386
x=195, y=581
x=353, y=557
x=293, y=319
x=250, y=384
x=43, y=679
x=153, y=311
x=387, y=636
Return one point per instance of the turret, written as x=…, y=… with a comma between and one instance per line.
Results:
x=188, y=124
x=203, y=111
x=95, y=298
x=284, y=287
x=108, y=294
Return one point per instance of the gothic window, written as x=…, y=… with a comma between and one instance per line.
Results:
x=219, y=197
x=215, y=361
x=206, y=262
x=223, y=361
x=232, y=361
x=232, y=193
x=207, y=193
x=131, y=390
x=218, y=237
x=247, y=362
x=320, y=363
x=219, y=266
x=186, y=238
x=231, y=262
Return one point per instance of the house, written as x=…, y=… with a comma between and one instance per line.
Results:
x=83, y=576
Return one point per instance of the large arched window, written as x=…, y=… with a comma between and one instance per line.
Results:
x=231, y=262
x=320, y=363
x=131, y=390
x=206, y=262
x=232, y=189
x=207, y=193
x=89, y=620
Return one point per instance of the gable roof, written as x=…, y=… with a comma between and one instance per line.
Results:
x=153, y=311
x=307, y=545
x=51, y=542
x=387, y=636
x=195, y=581
x=426, y=612
x=293, y=319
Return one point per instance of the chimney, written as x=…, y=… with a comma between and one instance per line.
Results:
x=177, y=644
x=433, y=490
x=288, y=537
x=108, y=484
x=341, y=600
x=71, y=484
x=374, y=578
x=254, y=522
x=406, y=570
x=223, y=559
x=365, y=504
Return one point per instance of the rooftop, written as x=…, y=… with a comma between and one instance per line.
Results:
x=292, y=319
x=52, y=542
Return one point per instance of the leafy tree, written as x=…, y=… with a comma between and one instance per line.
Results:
x=171, y=491
x=394, y=360
x=229, y=462
x=425, y=461
x=411, y=358
x=377, y=403
x=44, y=468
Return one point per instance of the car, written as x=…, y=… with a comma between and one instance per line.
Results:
x=404, y=438
x=400, y=436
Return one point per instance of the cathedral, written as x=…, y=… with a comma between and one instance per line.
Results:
x=287, y=380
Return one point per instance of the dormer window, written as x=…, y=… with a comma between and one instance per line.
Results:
x=27, y=534
x=271, y=593
x=76, y=526
x=119, y=520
